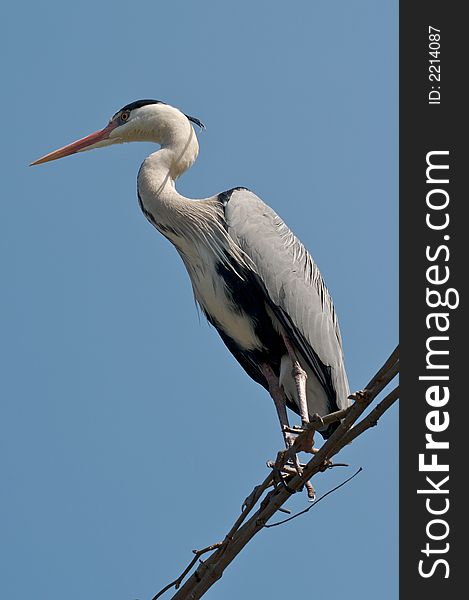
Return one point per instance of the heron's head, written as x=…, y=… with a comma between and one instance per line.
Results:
x=140, y=121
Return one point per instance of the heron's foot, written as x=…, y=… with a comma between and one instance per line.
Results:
x=289, y=436
x=306, y=443
x=310, y=491
x=288, y=464
x=294, y=461
x=307, y=430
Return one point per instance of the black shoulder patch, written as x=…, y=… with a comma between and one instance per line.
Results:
x=224, y=197
x=139, y=104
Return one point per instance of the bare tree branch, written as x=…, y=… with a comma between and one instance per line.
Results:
x=177, y=582
x=285, y=481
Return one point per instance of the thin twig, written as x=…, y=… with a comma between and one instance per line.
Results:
x=308, y=508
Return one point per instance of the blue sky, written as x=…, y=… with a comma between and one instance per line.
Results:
x=129, y=435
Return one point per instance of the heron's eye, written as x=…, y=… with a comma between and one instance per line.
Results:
x=125, y=116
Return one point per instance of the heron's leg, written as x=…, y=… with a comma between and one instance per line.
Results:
x=279, y=398
x=300, y=376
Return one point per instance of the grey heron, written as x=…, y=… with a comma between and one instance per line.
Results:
x=254, y=280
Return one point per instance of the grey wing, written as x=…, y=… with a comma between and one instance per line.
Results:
x=294, y=287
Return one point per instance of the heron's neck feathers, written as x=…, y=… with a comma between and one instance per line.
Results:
x=179, y=149
x=195, y=227
x=179, y=146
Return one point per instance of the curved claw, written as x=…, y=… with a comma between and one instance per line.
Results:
x=289, y=438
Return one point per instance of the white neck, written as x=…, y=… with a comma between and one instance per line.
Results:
x=179, y=149
x=160, y=201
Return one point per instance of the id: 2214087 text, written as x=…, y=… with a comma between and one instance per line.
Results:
x=434, y=65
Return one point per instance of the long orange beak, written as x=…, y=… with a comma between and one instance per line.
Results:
x=87, y=143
